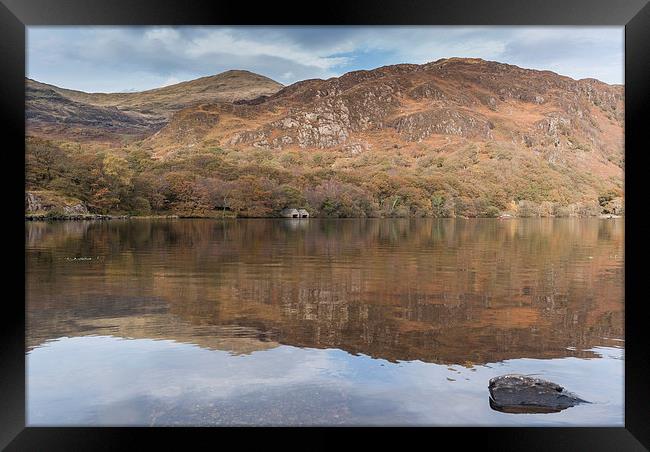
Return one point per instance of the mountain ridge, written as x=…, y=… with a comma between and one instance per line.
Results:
x=468, y=137
x=143, y=111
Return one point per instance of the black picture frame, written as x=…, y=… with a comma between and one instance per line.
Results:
x=15, y=15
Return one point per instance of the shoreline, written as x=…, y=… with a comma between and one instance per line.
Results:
x=93, y=217
x=99, y=217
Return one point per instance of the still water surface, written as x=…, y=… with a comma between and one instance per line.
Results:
x=320, y=322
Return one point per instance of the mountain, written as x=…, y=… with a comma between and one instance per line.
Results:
x=452, y=99
x=77, y=114
x=454, y=137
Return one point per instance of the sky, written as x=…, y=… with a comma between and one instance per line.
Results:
x=123, y=59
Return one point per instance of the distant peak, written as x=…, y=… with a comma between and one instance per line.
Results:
x=235, y=75
x=240, y=73
x=237, y=72
x=460, y=60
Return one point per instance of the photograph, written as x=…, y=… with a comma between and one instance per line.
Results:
x=324, y=226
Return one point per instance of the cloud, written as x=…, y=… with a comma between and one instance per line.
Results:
x=579, y=52
x=105, y=58
x=215, y=42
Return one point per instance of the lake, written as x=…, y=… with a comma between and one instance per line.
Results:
x=320, y=322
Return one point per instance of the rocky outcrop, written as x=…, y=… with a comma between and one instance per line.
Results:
x=32, y=203
x=444, y=121
x=329, y=122
x=44, y=202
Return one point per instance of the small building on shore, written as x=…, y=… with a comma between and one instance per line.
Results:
x=290, y=213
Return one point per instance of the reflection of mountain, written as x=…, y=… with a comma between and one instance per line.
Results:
x=448, y=291
x=135, y=318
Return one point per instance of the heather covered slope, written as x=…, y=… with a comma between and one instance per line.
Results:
x=455, y=137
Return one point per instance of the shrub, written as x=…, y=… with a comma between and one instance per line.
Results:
x=141, y=206
x=527, y=209
x=491, y=212
x=54, y=214
x=606, y=197
x=440, y=206
x=465, y=207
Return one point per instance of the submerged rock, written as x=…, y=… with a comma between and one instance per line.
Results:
x=523, y=394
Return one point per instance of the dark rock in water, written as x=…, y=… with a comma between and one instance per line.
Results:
x=522, y=394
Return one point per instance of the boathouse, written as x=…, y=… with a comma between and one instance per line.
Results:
x=294, y=213
x=290, y=213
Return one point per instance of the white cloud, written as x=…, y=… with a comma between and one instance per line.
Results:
x=167, y=36
x=121, y=58
x=221, y=41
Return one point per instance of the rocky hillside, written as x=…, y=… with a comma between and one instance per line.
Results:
x=57, y=111
x=454, y=99
x=454, y=137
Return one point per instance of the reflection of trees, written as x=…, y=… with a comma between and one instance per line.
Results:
x=435, y=290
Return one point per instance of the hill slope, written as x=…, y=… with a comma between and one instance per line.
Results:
x=452, y=137
x=138, y=113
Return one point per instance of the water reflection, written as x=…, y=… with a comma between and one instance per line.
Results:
x=284, y=311
x=446, y=291
x=103, y=380
x=524, y=409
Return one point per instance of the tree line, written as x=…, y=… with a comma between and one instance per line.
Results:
x=255, y=183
